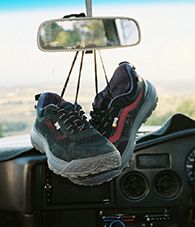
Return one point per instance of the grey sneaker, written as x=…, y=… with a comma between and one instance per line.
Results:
x=118, y=112
x=72, y=145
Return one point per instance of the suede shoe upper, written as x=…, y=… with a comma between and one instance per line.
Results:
x=69, y=135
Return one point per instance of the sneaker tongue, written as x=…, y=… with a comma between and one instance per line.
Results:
x=102, y=100
x=120, y=83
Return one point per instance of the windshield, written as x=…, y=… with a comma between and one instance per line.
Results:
x=165, y=57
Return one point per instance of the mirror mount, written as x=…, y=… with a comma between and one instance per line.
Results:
x=88, y=4
x=74, y=15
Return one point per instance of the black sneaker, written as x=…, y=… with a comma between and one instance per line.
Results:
x=72, y=145
x=118, y=112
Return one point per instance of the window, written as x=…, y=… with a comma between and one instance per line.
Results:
x=165, y=56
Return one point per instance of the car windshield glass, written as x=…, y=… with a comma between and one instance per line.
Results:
x=165, y=57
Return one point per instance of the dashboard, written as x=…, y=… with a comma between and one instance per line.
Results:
x=162, y=172
x=156, y=189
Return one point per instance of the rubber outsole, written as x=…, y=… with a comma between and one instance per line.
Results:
x=77, y=167
x=145, y=111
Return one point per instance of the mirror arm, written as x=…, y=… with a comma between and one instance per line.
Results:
x=88, y=4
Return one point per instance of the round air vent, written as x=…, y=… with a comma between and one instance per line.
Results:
x=167, y=184
x=134, y=185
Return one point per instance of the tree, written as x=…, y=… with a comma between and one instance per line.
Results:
x=1, y=131
x=187, y=107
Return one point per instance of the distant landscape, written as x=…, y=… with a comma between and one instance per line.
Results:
x=18, y=113
x=17, y=107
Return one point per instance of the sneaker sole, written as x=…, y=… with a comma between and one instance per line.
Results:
x=145, y=111
x=78, y=167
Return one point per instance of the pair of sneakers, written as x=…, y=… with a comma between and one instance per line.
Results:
x=95, y=151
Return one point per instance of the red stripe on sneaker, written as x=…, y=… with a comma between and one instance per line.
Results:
x=49, y=124
x=123, y=117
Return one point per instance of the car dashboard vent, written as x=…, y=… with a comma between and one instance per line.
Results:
x=134, y=185
x=167, y=184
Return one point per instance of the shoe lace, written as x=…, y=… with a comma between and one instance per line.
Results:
x=75, y=118
x=101, y=119
x=97, y=115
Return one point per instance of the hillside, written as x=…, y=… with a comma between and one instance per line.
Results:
x=18, y=113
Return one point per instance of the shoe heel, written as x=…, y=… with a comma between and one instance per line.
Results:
x=143, y=114
x=37, y=140
x=152, y=101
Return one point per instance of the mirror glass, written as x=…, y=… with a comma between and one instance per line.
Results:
x=87, y=34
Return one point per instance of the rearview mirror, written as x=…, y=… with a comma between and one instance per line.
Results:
x=74, y=34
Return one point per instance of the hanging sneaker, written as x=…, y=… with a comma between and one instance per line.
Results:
x=72, y=145
x=118, y=112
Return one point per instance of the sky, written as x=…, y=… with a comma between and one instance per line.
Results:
x=18, y=4
x=166, y=51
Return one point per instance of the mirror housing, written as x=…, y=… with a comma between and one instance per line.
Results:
x=88, y=33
